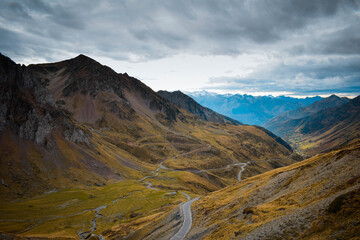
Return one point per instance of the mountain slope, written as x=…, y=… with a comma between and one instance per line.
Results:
x=314, y=199
x=77, y=108
x=275, y=124
x=43, y=147
x=184, y=101
x=324, y=130
x=300, y=201
x=83, y=80
x=250, y=109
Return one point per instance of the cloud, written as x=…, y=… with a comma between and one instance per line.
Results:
x=141, y=31
x=307, y=77
x=156, y=29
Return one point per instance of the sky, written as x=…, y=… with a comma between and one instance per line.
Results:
x=258, y=47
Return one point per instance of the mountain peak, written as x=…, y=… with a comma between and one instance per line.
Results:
x=82, y=56
x=333, y=99
x=83, y=60
x=333, y=96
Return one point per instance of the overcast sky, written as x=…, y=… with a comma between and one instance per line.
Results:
x=261, y=47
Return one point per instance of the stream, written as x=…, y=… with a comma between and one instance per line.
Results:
x=87, y=235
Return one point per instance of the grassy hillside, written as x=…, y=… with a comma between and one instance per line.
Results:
x=325, y=130
x=315, y=199
x=276, y=124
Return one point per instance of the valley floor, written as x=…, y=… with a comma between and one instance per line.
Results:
x=86, y=212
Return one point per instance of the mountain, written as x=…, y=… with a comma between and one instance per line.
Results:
x=184, y=101
x=325, y=130
x=83, y=148
x=250, y=109
x=47, y=113
x=317, y=198
x=274, y=124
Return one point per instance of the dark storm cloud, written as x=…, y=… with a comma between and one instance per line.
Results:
x=263, y=21
x=143, y=30
x=150, y=29
x=324, y=77
x=345, y=41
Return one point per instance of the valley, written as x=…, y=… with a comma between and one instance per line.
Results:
x=95, y=218
x=320, y=127
x=88, y=153
x=84, y=150
x=179, y=120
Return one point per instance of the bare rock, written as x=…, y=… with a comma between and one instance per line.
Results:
x=76, y=135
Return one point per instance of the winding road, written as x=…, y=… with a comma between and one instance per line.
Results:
x=186, y=207
x=242, y=169
x=227, y=166
x=186, y=226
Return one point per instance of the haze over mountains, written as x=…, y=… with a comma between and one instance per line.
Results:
x=332, y=101
x=250, y=109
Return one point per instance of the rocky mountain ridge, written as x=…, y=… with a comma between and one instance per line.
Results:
x=315, y=199
x=28, y=109
x=184, y=101
x=332, y=101
x=325, y=129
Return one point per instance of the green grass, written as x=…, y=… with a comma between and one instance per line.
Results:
x=67, y=212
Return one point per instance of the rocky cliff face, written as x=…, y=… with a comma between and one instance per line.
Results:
x=73, y=79
x=27, y=108
x=47, y=112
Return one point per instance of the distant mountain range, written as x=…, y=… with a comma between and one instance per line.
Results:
x=254, y=110
x=320, y=127
x=276, y=124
